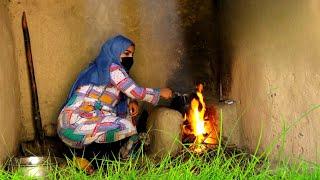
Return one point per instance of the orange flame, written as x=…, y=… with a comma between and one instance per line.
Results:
x=204, y=129
x=196, y=118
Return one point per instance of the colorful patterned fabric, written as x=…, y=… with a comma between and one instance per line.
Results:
x=90, y=114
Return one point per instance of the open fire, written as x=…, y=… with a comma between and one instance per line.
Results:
x=200, y=127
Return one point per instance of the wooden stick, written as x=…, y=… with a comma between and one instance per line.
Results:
x=39, y=134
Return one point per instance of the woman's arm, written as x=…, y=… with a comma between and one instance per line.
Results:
x=125, y=84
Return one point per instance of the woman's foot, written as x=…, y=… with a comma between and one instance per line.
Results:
x=126, y=151
x=83, y=164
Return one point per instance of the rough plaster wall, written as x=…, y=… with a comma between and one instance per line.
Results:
x=67, y=35
x=9, y=92
x=274, y=47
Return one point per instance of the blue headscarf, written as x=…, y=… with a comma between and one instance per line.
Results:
x=98, y=71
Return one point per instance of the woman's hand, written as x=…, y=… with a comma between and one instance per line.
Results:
x=166, y=93
x=133, y=108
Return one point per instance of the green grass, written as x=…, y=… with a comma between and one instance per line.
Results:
x=213, y=165
x=218, y=164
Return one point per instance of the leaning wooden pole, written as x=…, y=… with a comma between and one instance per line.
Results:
x=39, y=134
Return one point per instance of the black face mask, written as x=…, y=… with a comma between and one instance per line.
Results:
x=127, y=63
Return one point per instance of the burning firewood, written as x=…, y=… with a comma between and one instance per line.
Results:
x=201, y=123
